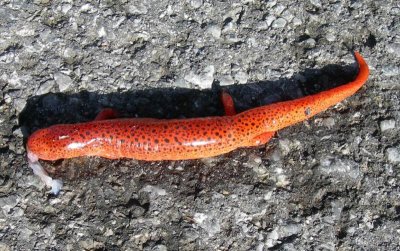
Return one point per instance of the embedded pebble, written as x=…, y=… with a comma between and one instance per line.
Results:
x=19, y=104
x=279, y=9
x=276, y=155
x=87, y=8
x=102, y=32
x=279, y=23
x=390, y=70
x=196, y=3
x=241, y=77
x=137, y=9
x=8, y=203
x=287, y=15
x=336, y=166
x=269, y=20
x=328, y=122
x=281, y=180
x=393, y=154
x=69, y=55
x=181, y=82
x=25, y=234
x=316, y=3
x=297, y=21
x=4, y=247
x=394, y=49
x=260, y=170
x=387, y=124
x=281, y=232
x=45, y=87
x=214, y=30
x=156, y=191
x=285, y=146
x=26, y=32
x=160, y=247
x=203, y=80
x=90, y=244
x=330, y=37
x=309, y=43
x=63, y=81
x=18, y=132
x=209, y=224
x=225, y=80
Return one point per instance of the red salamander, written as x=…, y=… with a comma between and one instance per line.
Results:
x=179, y=139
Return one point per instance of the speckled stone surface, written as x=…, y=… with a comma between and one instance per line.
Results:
x=329, y=183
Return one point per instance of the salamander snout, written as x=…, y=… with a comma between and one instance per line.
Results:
x=46, y=142
x=38, y=143
x=57, y=142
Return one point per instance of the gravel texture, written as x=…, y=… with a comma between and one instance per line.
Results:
x=329, y=183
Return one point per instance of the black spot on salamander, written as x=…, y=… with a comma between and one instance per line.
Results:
x=177, y=141
x=166, y=140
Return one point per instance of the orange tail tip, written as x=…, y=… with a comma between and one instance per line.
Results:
x=363, y=68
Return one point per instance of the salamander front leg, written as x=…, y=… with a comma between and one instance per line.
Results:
x=228, y=104
x=261, y=139
x=38, y=170
x=107, y=113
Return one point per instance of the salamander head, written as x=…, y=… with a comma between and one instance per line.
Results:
x=40, y=144
x=37, y=149
x=50, y=143
x=60, y=142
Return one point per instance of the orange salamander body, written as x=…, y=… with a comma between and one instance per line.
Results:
x=179, y=139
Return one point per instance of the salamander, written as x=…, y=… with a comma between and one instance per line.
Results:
x=179, y=139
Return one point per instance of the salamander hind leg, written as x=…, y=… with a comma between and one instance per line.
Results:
x=228, y=104
x=261, y=139
x=107, y=113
